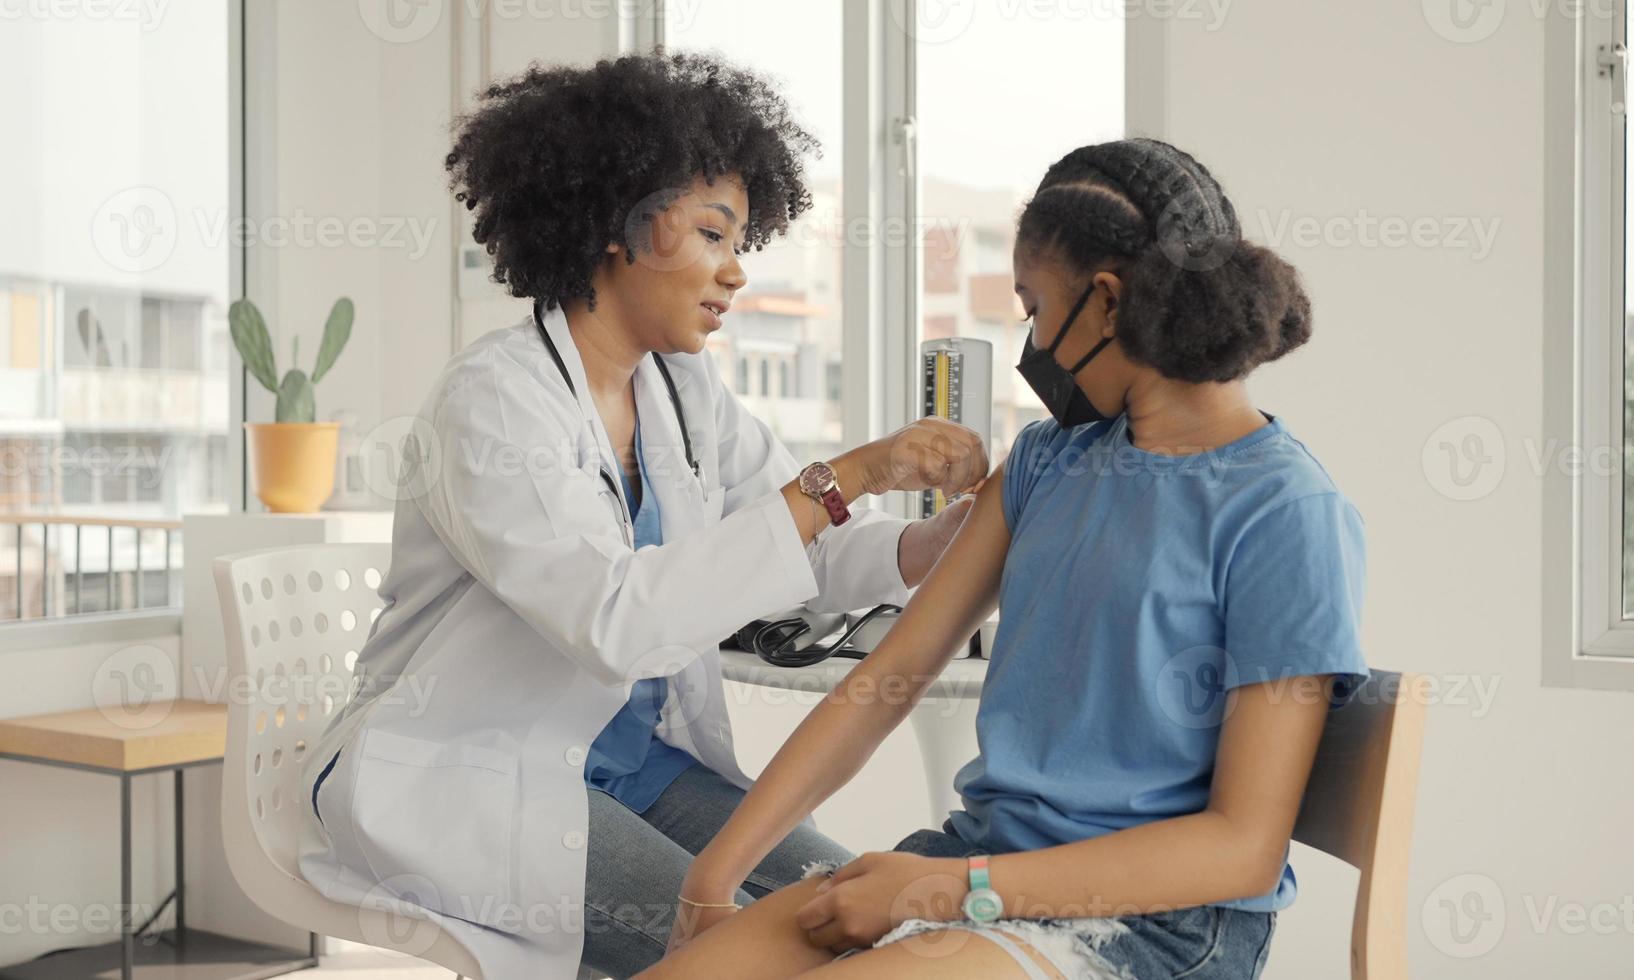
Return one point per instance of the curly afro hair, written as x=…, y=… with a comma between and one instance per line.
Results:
x=1201, y=303
x=561, y=161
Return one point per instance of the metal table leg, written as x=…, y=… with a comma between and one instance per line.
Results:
x=181, y=881
x=127, y=939
x=262, y=959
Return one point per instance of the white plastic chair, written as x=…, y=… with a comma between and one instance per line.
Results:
x=294, y=618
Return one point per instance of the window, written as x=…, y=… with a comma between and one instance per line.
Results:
x=115, y=279
x=184, y=335
x=984, y=140
x=791, y=305
x=1588, y=441
x=1611, y=64
x=939, y=153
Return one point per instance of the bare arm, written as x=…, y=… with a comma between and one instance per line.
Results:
x=1234, y=848
x=843, y=731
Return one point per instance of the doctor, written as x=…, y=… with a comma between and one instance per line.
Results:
x=538, y=741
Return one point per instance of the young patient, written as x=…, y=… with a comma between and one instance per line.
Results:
x=1180, y=586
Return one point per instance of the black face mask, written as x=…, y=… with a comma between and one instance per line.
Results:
x=1056, y=386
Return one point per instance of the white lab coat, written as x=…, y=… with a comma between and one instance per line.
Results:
x=517, y=616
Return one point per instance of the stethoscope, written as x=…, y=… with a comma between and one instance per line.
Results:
x=772, y=641
x=607, y=477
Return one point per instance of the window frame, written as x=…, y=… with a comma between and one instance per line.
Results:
x=155, y=622
x=1587, y=642
x=879, y=172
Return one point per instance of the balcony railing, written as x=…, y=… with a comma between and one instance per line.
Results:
x=63, y=565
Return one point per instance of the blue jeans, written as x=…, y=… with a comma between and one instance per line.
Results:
x=636, y=861
x=1204, y=942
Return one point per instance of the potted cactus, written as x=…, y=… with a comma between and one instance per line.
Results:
x=292, y=460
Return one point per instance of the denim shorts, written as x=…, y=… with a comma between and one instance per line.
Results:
x=1203, y=942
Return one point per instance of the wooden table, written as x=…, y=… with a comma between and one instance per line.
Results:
x=128, y=741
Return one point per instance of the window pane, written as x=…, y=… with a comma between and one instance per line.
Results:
x=184, y=336
x=1628, y=368
x=789, y=313
x=985, y=140
x=114, y=278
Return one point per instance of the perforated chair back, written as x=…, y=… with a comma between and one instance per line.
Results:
x=294, y=620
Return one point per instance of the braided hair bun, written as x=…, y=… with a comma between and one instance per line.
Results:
x=1200, y=302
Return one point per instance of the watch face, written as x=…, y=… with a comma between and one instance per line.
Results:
x=816, y=479
x=983, y=905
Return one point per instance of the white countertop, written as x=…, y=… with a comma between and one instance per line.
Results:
x=960, y=680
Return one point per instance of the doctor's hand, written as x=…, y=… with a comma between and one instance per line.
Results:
x=926, y=454
x=878, y=892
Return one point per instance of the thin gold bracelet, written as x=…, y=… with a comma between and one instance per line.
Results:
x=709, y=905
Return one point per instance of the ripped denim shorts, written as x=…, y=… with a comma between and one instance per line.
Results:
x=1205, y=942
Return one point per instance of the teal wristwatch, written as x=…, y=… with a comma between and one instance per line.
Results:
x=982, y=904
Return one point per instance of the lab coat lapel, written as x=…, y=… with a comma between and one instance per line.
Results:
x=680, y=496
x=694, y=717
x=556, y=325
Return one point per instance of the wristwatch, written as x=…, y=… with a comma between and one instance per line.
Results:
x=818, y=482
x=981, y=904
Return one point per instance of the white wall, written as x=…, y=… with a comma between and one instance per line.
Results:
x=1322, y=110
x=349, y=127
x=354, y=118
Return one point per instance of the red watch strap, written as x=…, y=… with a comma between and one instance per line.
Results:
x=838, y=512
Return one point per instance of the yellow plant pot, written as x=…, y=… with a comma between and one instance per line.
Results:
x=292, y=464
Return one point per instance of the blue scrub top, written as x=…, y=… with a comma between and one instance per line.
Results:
x=628, y=760
x=1138, y=589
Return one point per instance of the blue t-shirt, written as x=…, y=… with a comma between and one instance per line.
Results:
x=1137, y=590
x=627, y=760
